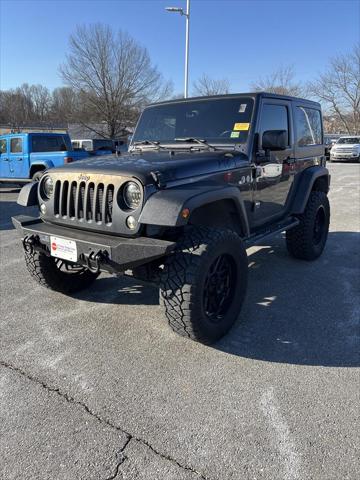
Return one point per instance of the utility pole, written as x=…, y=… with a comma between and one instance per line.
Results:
x=187, y=43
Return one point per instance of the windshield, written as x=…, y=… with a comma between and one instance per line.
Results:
x=349, y=140
x=223, y=120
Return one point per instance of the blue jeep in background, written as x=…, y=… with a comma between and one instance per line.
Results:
x=25, y=156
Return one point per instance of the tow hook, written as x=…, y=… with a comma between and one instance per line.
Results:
x=93, y=260
x=28, y=243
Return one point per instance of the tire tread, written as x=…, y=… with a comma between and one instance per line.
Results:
x=299, y=239
x=179, y=276
x=43, y=269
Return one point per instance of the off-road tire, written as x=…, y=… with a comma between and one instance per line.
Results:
x=45, y=271
x=301, y=241
x=185, y=274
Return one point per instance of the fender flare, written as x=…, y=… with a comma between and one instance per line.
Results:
x=47, y=164
x=164, y=207
x=305, y=185
x=28, y=195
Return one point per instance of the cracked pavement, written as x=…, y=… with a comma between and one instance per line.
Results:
x=96, y=386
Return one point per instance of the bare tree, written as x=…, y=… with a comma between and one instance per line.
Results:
x=16, y=106
x=338, y=89
x=64, y=104
x=41, y=101
x=112, y=74
x=27, y=103
x=205, y=86
x=281, y=81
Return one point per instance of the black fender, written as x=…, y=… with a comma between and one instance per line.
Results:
x=305, y=185
x=164, y=207
x=28, y=195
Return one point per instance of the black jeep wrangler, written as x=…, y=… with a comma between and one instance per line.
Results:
x=204, y=179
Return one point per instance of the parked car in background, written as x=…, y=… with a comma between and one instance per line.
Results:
x=329, y=142
x=96, y=146
x=25, y=156
x=346, y=148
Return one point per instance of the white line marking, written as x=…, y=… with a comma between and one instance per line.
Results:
x=290, y=457
x=351, y=322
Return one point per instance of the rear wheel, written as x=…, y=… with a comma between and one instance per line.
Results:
x=57, y=274
x=307, y=240
x=203, y=283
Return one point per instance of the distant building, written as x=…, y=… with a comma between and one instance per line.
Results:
x=33, y=128
x=96, y=131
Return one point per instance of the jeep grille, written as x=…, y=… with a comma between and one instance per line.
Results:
x=88, y=202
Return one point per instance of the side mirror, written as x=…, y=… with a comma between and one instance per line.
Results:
x=275, y=140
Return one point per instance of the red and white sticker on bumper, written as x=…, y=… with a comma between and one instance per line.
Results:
x=63, y=248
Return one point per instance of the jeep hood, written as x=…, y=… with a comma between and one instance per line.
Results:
x=171, y=167
x=340, y=146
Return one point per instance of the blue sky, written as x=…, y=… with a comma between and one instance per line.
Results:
x=237, y=39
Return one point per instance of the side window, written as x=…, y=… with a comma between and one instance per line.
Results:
x=87, y=145
x=308, y=127
x=16, y=145
x=48, y=143
x=274, y=117
x=3, y=145
x=63, y=144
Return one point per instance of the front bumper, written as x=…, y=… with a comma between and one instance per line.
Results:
x=98, y=252
x=344, y=157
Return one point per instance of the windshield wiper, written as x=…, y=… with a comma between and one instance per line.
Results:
x=149, y=143
x=196, y=140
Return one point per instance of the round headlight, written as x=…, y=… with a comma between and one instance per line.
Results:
x=132, y=195
x=48, y=186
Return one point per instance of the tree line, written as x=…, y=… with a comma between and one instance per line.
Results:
x=109, y=78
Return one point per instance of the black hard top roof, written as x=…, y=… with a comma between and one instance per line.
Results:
x=236, y=95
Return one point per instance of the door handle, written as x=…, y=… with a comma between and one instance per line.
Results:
x=20, y=159
x=5, y=159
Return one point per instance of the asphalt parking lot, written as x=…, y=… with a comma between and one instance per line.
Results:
x=98, y=387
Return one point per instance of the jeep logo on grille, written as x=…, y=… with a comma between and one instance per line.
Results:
x=83, y=178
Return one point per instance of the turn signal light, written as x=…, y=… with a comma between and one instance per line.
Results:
x=68, y=159
x=185, y=213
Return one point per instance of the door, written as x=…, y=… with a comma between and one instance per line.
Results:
x=17, y=163
x=4, y=158
x=276, y=168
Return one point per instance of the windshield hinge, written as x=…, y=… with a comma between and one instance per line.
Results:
x=158, y=179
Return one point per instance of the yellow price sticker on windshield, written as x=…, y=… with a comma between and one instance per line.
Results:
x=241, y=126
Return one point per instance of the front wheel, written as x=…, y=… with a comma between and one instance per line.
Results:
x=203, y=283
x=307, y=240
x=58, y=275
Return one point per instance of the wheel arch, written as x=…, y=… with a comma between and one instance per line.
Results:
x=312, y=179
x=165, y=207
x=224, y=213
x=38, y=167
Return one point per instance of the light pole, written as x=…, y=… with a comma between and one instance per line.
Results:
x=187, y=17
